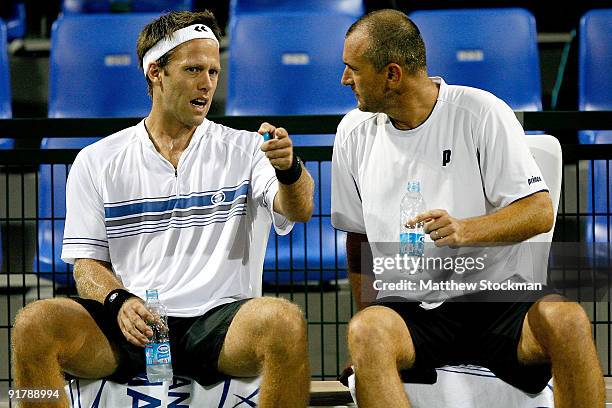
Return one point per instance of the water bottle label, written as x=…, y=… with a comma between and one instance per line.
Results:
x=412, y=243
x=158, y=353
x=412, y=238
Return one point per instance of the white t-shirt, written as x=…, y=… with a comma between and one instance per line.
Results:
x=197, y=234
x=469, y=155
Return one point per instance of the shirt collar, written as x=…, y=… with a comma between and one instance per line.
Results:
x=144, y=138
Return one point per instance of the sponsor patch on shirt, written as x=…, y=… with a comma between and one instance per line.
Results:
x=534, y=179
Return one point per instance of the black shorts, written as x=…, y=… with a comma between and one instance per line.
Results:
x=195, y=343
x=479, y=333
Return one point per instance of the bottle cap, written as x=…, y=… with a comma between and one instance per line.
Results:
x=414, y=186
x=152, y=294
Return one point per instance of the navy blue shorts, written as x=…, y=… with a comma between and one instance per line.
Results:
x=195, y=342
x=479, y=333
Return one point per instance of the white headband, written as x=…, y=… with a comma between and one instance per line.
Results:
x=177, y=38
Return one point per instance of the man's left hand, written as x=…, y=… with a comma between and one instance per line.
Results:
x=443, y=229
x=279, y=149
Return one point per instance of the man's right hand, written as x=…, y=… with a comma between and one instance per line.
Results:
x=133, y=317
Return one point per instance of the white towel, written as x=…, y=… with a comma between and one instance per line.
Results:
x=182, y=392
x=470, y=387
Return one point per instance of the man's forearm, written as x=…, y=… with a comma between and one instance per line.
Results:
x=94, y=279
x=294, y=200
x=515, y=223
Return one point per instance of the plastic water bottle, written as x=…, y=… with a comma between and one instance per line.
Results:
x=412, y=240
x=157, y=350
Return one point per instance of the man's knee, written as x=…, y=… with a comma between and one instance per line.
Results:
x=42, y=327
x=280, y=323
x=380, y=331
x=373, y=325
x=559, y=321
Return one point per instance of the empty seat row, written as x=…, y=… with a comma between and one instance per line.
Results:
x=476, y=48
x=354, y=8
x=595, y=93
x=351, y=7
x=138, y=6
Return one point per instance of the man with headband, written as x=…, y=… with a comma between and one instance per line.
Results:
x=172, y=204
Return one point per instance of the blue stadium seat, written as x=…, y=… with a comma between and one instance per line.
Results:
x=595, y=60
x=491, y=49
x=277, y=64
x=5, y=86
x=595, y=93
x=16, y=25
x=161, y=5
x=314, y=251
x=278, y=67
x=99, y=77
x=139, y=6
x=354, y=8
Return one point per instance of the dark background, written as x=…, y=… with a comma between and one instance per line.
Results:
x=557, y=23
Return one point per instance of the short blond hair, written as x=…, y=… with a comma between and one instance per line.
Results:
x=164, y=26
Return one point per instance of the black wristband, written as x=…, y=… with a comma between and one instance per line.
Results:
x=115, y=299
x=292, y=174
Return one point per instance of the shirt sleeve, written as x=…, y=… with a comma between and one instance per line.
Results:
x=264, y=187
x=509, y=171
x=346, y=208
x=85, y=230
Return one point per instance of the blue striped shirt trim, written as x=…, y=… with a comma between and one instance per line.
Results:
x=180, y=215
x=84, y=239
x=160, y=198
x=174, y=219
x=196, y=223
x=84, y=243
x=174, y=203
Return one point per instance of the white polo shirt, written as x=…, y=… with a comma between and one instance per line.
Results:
x=469, y=155
x=197, y=234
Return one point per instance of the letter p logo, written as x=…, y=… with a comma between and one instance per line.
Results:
x=446, y=157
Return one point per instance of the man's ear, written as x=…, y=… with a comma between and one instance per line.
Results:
x=154, y=73
x=394, y=73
